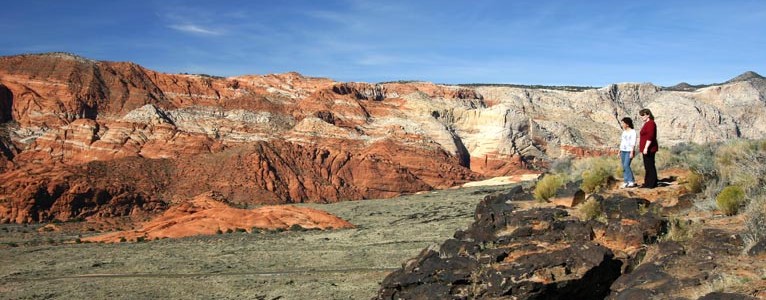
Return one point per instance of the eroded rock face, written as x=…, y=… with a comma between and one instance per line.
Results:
x=68, y=110
x=260, y=173
x=99, y=189
x=690, y=269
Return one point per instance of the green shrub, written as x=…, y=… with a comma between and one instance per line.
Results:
x=729, y=199
x=548, y=187
x=596, y=180
x=590, y=210
x=694, y=182
x=596, y=172
x=123, y=240
x=219, y=231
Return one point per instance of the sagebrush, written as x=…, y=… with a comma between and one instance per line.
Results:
x=596, y=172
x=548, y=186
x=730, y=199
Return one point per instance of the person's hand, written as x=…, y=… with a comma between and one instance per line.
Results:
x=646, y=152
x=631, y=154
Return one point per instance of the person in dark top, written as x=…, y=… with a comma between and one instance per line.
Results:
x=648, y=146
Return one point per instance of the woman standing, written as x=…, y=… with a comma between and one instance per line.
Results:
x=648, y=146
x=627, y=146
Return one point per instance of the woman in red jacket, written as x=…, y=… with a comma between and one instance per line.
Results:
x=648, y=147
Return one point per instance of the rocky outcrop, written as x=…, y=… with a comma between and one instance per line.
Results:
x=520, y=249
x=692, y=269
x=539, y=253
x=97, y=190
x=209, y=214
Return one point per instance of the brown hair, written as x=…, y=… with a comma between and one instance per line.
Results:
x=646, y=112
x=628, y=121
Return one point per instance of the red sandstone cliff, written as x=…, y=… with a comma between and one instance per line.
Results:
x=94, y=139
x=289, y=138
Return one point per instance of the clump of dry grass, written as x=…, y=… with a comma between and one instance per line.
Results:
x=596, y=173
x=741, y=163
x=694, y=183
x=730, y=199
x=548, y=186
x=680, y=230
x=590, y=209
x=755, y=221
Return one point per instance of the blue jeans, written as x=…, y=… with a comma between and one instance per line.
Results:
x=627, y=173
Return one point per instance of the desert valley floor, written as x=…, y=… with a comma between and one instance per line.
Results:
x=339, y=264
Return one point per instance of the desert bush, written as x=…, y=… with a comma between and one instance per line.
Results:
x=680, y=230
x=711, y=189
x=755, y=221
x=596, y=172
x=561, y=166
x=590, y=209
x=730, y=199
x=663, y=159
x=741, y=163
x=548, y=187
x=595, y=180
x=695, y=182
x=697, y=158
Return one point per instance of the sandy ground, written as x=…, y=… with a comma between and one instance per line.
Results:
x=502, y=180
x=341, y=264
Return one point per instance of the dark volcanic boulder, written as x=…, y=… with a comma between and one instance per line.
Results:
x=540, y=253
x=726, y=296
x=671, y=267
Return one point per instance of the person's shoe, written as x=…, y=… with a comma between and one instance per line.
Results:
x=631, y=184
x=624, y=185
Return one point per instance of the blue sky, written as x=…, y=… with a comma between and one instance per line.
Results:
x=591, y=43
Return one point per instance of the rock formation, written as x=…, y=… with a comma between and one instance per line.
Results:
x=289, y=138
x=518, y=250
x=208, y=214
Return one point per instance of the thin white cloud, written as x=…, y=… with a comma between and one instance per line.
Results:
x=194, y=29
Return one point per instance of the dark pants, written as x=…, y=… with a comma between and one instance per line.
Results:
x=650, y=178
